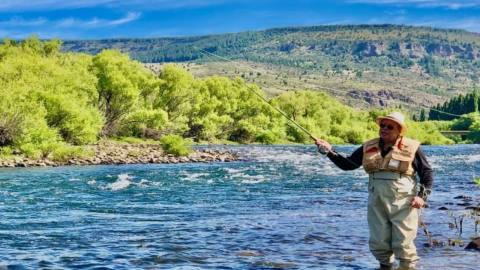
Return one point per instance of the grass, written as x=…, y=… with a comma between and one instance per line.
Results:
x=130, y=140
x=476, y=180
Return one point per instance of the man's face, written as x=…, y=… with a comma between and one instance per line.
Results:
x=389, y=130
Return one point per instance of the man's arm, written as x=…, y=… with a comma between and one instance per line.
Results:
x=351, y=162
x=425, y=173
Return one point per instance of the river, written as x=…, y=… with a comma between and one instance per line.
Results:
x=285, y=207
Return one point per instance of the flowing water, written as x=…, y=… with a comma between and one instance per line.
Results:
x=286, y=207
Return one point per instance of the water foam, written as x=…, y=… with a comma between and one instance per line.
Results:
x=232, y=170
x=470, y=158
x=195, y=176
x=252, y=179
x=92, y=182
x=144, y=183
x=123, y=181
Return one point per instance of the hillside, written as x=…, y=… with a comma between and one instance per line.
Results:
x=366, y=65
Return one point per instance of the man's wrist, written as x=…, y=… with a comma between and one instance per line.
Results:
x=331, y=152
x=422, y=195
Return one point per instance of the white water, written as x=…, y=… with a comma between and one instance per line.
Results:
x=123, y=182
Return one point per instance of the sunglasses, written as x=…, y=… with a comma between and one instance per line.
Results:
x=389, y=127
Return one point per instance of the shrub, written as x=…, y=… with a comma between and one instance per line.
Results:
x=175, y=145
x=144, y=123
x=77, y=123
x=64, y=152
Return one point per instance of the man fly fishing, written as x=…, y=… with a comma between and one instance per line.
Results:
x=391, y=162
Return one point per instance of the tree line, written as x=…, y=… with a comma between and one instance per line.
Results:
x=53, y=102
x=458, y=105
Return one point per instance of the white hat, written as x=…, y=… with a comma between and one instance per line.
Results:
x=396, y=117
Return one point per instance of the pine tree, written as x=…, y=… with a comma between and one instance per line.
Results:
x=422, y=115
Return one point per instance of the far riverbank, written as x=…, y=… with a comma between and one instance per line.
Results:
x=114, y=153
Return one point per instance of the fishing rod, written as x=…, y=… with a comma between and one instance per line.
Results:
x=284, y=115
x=321, y=150
x=290, y=120
x=266, y=100
x=295, y=123
x=337, y=90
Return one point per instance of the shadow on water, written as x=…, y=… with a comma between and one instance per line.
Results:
x=286, y=207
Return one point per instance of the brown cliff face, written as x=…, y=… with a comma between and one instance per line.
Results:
x=419, y=64
x=381, y=98
x=415, y=50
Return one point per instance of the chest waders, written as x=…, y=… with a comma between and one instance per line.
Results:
x=392, y=222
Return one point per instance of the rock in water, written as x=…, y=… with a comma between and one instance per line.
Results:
x=475, y=244
x=249, y=253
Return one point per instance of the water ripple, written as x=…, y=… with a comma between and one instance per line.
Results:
x=285, y=208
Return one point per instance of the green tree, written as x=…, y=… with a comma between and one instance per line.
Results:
x=120, y=82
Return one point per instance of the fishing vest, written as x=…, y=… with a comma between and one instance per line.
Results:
x=398, y=160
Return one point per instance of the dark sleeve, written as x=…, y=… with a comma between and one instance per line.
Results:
x=425, y=173
x=351, y=162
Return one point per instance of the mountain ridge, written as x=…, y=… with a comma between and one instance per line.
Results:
x=421, y=64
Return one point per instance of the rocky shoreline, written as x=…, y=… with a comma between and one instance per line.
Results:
x=116, y=154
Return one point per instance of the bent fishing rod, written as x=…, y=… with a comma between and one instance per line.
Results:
x=295, y=123
x=333, y=89
x=289, y=120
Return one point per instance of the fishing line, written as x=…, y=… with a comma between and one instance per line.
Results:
x=334, y=89
x=422, y=222
x=291, y=121
x=295, y=123
x=284, y=114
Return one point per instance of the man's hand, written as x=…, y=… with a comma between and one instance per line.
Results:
x=417, y=202
x=323, y=146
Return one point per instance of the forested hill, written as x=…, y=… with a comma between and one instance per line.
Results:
x=375, y=65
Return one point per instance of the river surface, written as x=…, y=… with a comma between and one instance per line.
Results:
x=286, y=207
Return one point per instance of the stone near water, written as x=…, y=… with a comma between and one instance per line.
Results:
x=474, y=244
x=464, y=204
x=122, y=154
x=474, y=208
x=249, y=253
x=463, y=197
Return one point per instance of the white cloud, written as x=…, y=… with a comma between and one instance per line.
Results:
x=450, y=4
x=6, y=5
x=67, y=22
x=20, y=22
x=36, y=5
x=131, y=16
x=95, y=22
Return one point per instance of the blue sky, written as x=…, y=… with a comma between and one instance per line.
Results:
x=97, y=19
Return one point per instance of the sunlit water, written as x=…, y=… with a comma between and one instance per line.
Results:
x=283, y=208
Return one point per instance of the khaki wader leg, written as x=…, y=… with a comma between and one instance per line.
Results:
x=393, y=223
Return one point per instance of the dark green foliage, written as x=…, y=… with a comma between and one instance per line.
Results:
x=469, y=122
x=461, y=104
x=430, y=65
x=422, y=116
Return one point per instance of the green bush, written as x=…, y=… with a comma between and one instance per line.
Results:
x=175, y=145
x=144, y=123
x=50, y=100
x=77, y=122
x=64, y=152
